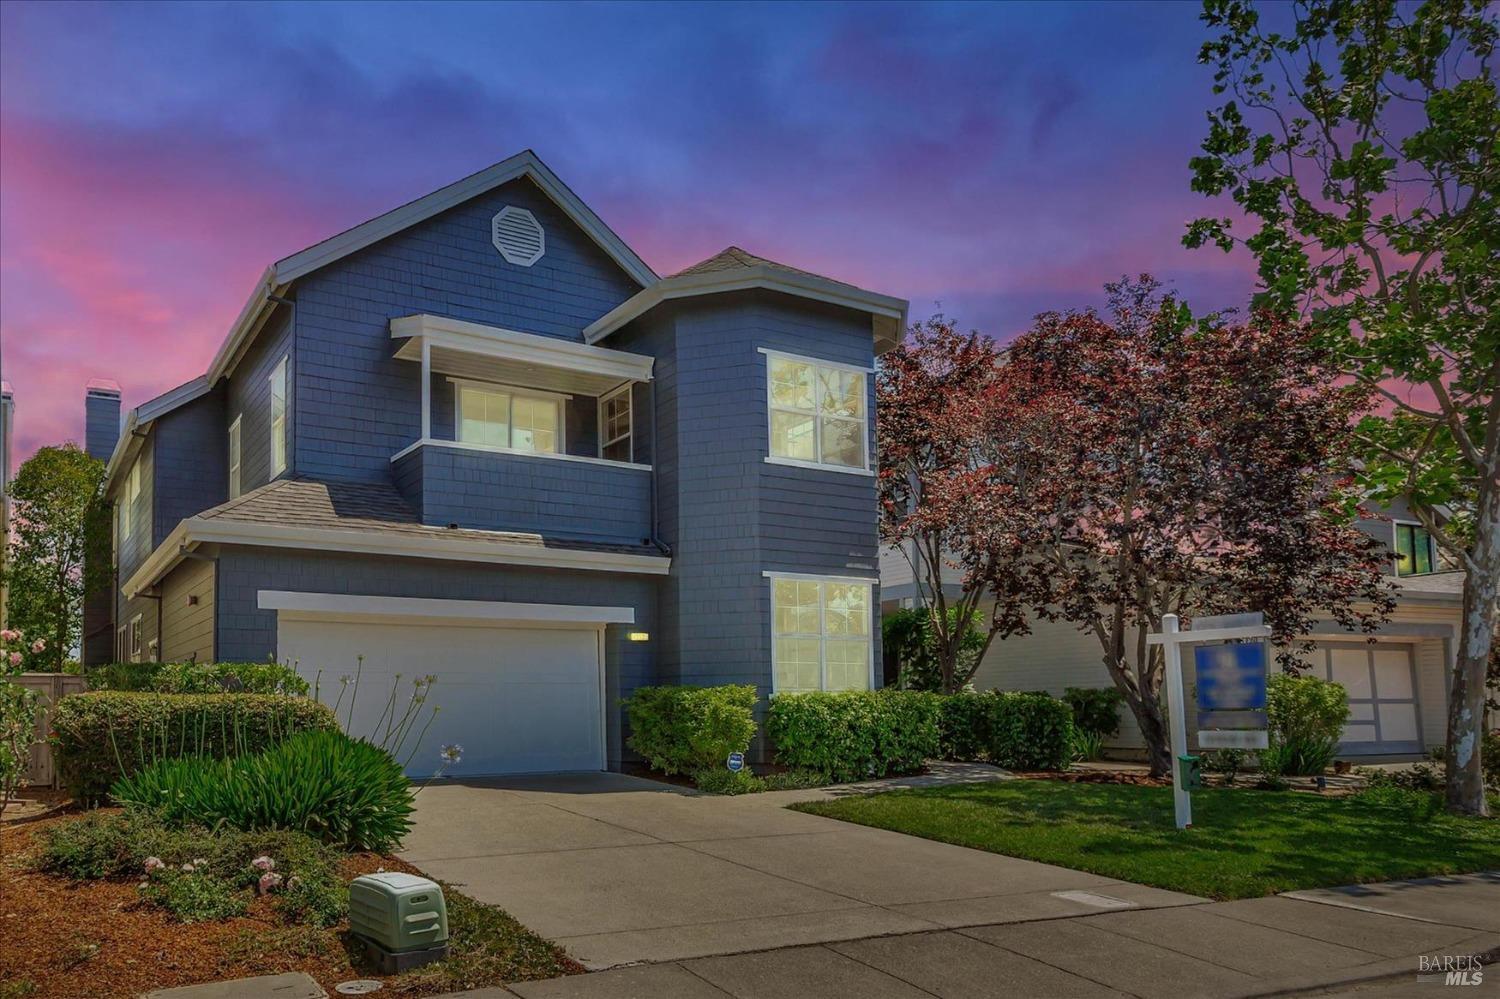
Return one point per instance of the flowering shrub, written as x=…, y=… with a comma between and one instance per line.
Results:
x=18, y=706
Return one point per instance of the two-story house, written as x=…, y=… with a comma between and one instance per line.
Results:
x=1397, y=678
x=478, y=437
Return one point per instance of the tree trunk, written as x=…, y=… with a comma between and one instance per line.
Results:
x=1466, y=689
x=1153, y=726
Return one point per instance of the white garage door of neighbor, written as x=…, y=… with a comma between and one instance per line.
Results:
x=518, y=700
x=1382, y=685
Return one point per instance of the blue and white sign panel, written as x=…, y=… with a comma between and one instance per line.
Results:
x=736, y=762
x=1231, y=677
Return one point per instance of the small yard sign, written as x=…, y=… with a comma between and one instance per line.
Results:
x=736, y=762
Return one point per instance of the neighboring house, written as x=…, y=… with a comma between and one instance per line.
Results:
x=478, y=437
x=101, y=431
x=7, y=423
x=1397, y=684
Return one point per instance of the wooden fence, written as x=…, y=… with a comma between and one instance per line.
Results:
x=52, y=687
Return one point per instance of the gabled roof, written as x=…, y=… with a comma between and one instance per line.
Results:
x=275, y=281
x=279, y=276
x=734, y=269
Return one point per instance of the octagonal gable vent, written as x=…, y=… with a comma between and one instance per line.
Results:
x=518, y=236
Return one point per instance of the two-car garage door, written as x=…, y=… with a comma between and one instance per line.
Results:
x=518, y=699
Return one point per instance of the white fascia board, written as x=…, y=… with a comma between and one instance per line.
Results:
x=893, y=310
x=171, y=399
x=528, y=348
x=524, y=164
x=247, y=322
x=197, y=531
x=312, y=605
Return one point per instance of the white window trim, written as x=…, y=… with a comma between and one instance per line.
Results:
x=867, y=468
x=629, y=434
x=132, y=493
x=133, y=644
x=801, y=577
x=278, y=427
x=557, y=398
x=122, y=643
x=236, y=457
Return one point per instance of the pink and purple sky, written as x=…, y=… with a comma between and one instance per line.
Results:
x=987, y=162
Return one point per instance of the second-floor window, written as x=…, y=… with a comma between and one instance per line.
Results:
x=125, y=511
x=817, y=412
x=1415, y=552
x=614, y=425
x=502, y=417
x=278, y=419
x=234, y=458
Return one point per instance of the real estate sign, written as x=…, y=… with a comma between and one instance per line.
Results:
x=1231, y=694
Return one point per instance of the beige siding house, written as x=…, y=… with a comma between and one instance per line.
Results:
x=1397, y=678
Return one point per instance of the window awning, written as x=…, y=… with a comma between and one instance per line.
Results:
x=490, y=353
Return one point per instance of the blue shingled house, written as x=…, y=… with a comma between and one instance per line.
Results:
x=479, y=437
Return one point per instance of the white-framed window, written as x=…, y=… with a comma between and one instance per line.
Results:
x=615, y=425
x=122, y=643
x=278, y=419
x=821, y=634
x=515, y=419
x=135, y=639
x=817, y=412
x=234, y=458
x=125, y=509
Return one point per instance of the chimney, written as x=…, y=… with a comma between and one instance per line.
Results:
x=101, y=418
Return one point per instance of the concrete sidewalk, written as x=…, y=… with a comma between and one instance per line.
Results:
x=620, y=870
x=1366, y=938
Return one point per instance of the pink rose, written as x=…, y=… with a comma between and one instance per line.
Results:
x=263, y=863
x=269, y=881
x=7, y=635
x=15, y=658
x=38, y=645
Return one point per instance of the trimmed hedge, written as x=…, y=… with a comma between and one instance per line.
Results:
x=1020, y=731
x=689, y=729
x=102, y=736
x=1031, y=731
x=852, y=735
x=198, y=678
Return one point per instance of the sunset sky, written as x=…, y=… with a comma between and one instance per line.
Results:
x=985, y=162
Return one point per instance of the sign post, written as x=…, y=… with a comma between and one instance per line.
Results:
x=1172, y=639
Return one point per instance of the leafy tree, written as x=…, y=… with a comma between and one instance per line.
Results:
x=1359, y=140
x=906, y=641
x=939, y=504
x=59, y=519
x=1192, y=467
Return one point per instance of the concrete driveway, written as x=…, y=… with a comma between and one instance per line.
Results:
x=621, y=870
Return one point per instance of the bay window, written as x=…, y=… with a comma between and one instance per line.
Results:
x=817, y=412
x=821, y=634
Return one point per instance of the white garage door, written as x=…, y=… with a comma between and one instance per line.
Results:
x=1382, y=686
x=518, y=700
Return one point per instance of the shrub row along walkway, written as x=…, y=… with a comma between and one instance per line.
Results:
x=621, y=870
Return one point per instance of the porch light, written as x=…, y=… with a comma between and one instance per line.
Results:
x=640, y=636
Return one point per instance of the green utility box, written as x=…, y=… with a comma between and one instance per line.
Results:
x=400, y=918
x=1190, y=769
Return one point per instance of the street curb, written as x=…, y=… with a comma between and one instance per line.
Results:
x=1484, y=946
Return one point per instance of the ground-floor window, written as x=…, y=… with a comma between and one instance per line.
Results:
x=821, y=634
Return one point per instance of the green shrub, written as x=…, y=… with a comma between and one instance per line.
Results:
x=103, y=845
x=688, y=729
x=1087, y=745
x=906, y=638
x=1095, y=709
x=344, y=791
x=194, y=896
x=966, y=724
x=852, y=735
x=1305, y=715
x=722, y=780
x=1228, y=762
x=198, y=678
x=104, y=735
x=1031, y=731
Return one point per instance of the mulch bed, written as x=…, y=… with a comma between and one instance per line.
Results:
x=91, y=939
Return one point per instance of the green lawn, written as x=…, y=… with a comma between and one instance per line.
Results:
x=1243, y=843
